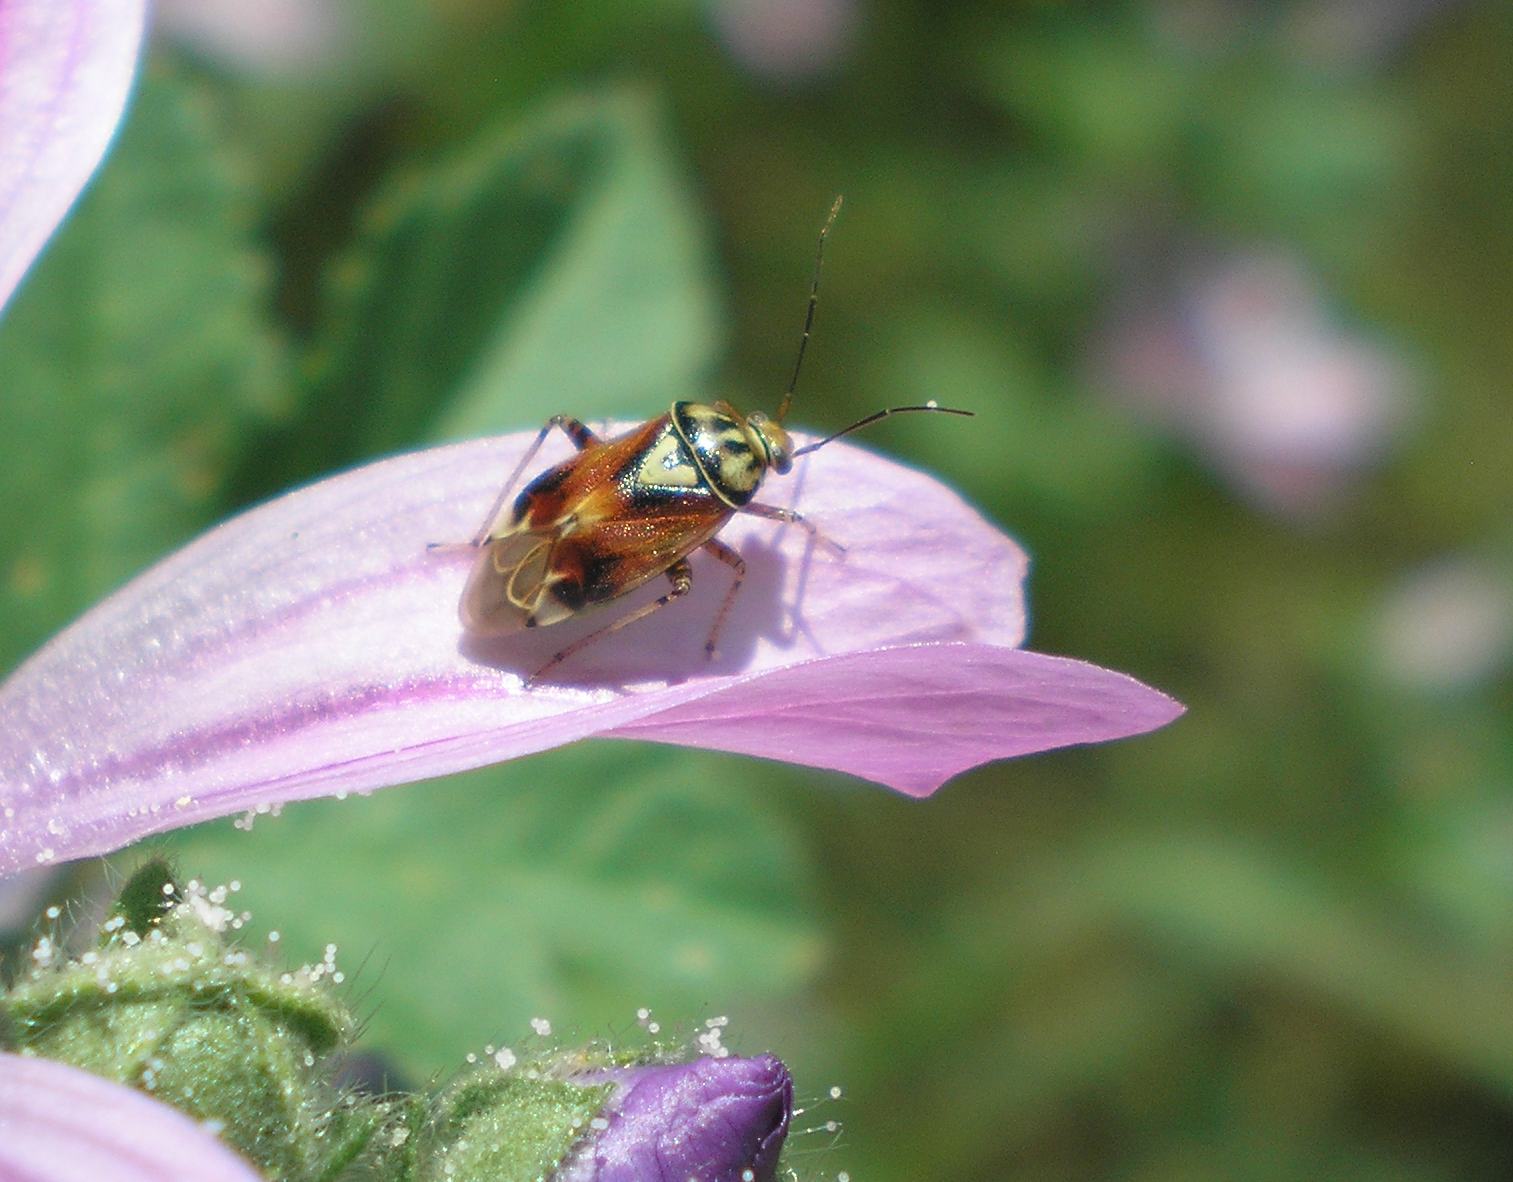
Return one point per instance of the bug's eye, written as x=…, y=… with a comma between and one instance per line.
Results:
x=775, y=442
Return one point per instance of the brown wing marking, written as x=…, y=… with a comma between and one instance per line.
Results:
x=597, y=563
x=573, y=488
x=586, y=531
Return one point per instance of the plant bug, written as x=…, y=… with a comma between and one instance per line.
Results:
x=627, y=509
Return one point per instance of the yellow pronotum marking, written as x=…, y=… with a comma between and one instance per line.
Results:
x=665, y=464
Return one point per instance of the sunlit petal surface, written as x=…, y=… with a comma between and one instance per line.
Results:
x=62, y=1124
x=311, y=647
x=65, y=69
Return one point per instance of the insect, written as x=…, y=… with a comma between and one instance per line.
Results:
x=629, y=508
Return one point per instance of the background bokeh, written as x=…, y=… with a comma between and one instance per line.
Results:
x=1228, y=284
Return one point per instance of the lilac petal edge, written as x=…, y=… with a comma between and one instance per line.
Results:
x=311, y=647
x=61, y=1124
x=911, y=718
x=65, y=70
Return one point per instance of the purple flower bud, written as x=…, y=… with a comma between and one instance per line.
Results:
x=717, y=1120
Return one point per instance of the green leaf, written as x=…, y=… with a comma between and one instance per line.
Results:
x=1327, y=162
x=1244, y=913
x=575, y=885
x=1032, y=444
x=1097, y=90
x=129, y=362
x=557, y=267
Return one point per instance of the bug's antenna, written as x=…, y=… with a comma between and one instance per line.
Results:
x=874, y=417
x=814, y=298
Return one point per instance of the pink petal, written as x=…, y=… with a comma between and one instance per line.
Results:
x=311, y=647
x=61, y=1124
x=912, y=717
x=65, y=69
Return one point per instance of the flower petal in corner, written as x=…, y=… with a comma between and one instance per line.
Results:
x=65, y=70
x=311, y=647
x=62, y=1124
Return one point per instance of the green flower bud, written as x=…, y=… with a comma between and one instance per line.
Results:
x=166, y=1004
x=505, y=1126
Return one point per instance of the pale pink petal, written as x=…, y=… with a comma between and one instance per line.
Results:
x=61, y=1124
x=912, y=717
x=311, y=647
x=65, y=69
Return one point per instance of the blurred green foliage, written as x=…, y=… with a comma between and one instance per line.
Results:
x=136, y=365
x=1274, y=941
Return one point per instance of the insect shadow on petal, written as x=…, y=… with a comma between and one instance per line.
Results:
x=630, y=508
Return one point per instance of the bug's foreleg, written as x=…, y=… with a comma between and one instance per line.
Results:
x=582, y=438
x=737, y=564
x=789, y=517
x=681, y=575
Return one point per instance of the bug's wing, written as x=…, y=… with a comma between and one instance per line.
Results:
x=507, y=589
x=506, y=582
x=610, y=557
x=589, y=530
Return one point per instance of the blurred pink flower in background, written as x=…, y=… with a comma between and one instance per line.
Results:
x=1350, y=33
x=787, y=40
x=1337, y=34
x=266, y=35
x=1246, y=363
x=1447, y=625
x=65, y=70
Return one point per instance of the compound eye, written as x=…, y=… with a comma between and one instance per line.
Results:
x=778, y=446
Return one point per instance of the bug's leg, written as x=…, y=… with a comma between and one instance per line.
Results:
x=737, y=564
x=582, y=438
x=789, y=517
x=681, y=575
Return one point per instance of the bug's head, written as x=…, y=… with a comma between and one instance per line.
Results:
x=774, y=442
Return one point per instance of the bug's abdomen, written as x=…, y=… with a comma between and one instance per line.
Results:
x=723, y=450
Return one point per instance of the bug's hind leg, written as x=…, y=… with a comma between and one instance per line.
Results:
x=681, y=575
x=789, y=517
x=582, y=438
x=737, y=564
